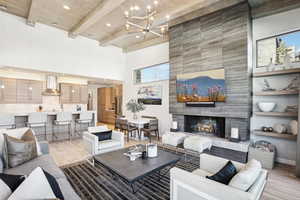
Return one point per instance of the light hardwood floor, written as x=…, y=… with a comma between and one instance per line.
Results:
x=282, y=183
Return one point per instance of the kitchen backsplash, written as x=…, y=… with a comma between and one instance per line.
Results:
x=50, y=103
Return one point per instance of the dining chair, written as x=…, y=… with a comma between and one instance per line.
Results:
x=128, y=129
x=7, y=121
x=62, y=119
x=118, y=123
x=150, y=128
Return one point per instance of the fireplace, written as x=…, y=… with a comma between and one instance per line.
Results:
x=205, y=125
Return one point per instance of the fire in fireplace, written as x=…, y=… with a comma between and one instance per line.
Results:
x=205, y=125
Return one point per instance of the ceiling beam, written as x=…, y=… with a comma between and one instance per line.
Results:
x=32, y=19
x=104, y=8
x=146, y=43
x=179, y=15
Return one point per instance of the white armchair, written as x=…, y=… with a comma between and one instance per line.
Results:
x=195, y=186
x=95, y=147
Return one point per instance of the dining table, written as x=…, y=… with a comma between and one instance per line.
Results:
x=138, y=123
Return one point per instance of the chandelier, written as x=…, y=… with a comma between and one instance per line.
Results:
x=135, y=23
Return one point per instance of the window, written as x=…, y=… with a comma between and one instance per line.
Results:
x=154, y=73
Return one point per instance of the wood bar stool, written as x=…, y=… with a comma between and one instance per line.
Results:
x=7, y=121
x=62, y=119
x=38, y=120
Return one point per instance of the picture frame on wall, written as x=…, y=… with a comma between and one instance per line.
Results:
x=278, y=51
x=150, y=95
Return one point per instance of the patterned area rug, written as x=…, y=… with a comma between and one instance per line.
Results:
x=97, y=182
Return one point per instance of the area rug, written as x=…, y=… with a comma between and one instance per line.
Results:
x=95, y=182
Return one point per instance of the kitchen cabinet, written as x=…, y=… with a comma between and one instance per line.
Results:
x=8, y=91
x=29, y=91
x=73, y=94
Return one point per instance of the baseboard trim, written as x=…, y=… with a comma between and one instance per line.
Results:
x=286, y=161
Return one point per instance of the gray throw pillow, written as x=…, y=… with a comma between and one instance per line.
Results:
x=19, y=151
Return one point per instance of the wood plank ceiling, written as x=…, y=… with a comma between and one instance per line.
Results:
x=104, y=21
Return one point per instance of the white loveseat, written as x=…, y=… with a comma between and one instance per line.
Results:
x=194, y=186
x=95, y=147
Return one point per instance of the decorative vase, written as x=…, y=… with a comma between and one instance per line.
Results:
x=294, y=127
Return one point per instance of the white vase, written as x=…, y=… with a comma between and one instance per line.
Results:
x=294, y=127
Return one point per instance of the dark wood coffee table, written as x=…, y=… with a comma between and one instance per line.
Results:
x=132, y=171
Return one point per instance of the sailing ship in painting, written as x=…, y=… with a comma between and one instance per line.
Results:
x=206, y=86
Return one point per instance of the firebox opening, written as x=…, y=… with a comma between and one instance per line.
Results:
x=205, y=125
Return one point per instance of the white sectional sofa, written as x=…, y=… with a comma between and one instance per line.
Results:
x=195, y=186
x=95, y=147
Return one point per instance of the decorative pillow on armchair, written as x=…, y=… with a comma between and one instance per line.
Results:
x=103, y=135
x=18, y=151
x=225, y=174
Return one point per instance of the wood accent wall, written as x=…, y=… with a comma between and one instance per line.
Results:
x=218, y=40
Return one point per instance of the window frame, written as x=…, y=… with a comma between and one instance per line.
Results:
x=136, y=69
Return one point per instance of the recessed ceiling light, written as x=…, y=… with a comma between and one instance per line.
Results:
x=3, y=7
x=155, y=3
x=136, y=7
x=66, y=7
x=137, y=36
x=108, y=25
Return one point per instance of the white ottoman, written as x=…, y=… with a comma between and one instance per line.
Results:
x=173, y=138
x=197, y=143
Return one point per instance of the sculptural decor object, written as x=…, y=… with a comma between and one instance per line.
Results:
x=266, y=86
x=291, y=108
x=293, y=85
x=280, y=128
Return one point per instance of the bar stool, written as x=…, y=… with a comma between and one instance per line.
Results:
x=37, y=120
x=7, y=121
x=84, y=118
x=62, y=119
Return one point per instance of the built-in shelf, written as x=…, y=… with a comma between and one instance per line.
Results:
x=287, y=136
x=274, y=73
x=277, y=114
x=277, y=93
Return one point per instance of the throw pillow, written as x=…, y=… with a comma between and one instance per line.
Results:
x=104, y=135
x=8, y=184
x=225, y=174
x=54, y=185
x=37, y=186
x=247, y=176
x=19, y=151
x=16, y=133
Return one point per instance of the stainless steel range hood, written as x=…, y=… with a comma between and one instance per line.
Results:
x=51, y=86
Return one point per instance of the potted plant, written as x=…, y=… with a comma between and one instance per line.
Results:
x=134, y=106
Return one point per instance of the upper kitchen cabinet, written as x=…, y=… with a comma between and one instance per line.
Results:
x=84, y=94
x=29, y=91
x=73, y=94
x=8, y=91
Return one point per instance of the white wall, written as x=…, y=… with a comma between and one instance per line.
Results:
x=144, y=58
x=49, y=49
x=263, y=28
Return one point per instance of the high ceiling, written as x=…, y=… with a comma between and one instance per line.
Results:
x=104, y=21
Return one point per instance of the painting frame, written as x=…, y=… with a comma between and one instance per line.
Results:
x=203, y=86
x=271, y=37
x=150, y=94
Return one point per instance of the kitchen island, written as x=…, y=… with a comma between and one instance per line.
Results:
x=60, y=131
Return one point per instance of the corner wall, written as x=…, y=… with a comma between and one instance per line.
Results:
x=144, y=58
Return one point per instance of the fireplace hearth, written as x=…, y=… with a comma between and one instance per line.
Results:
x=205, y=125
